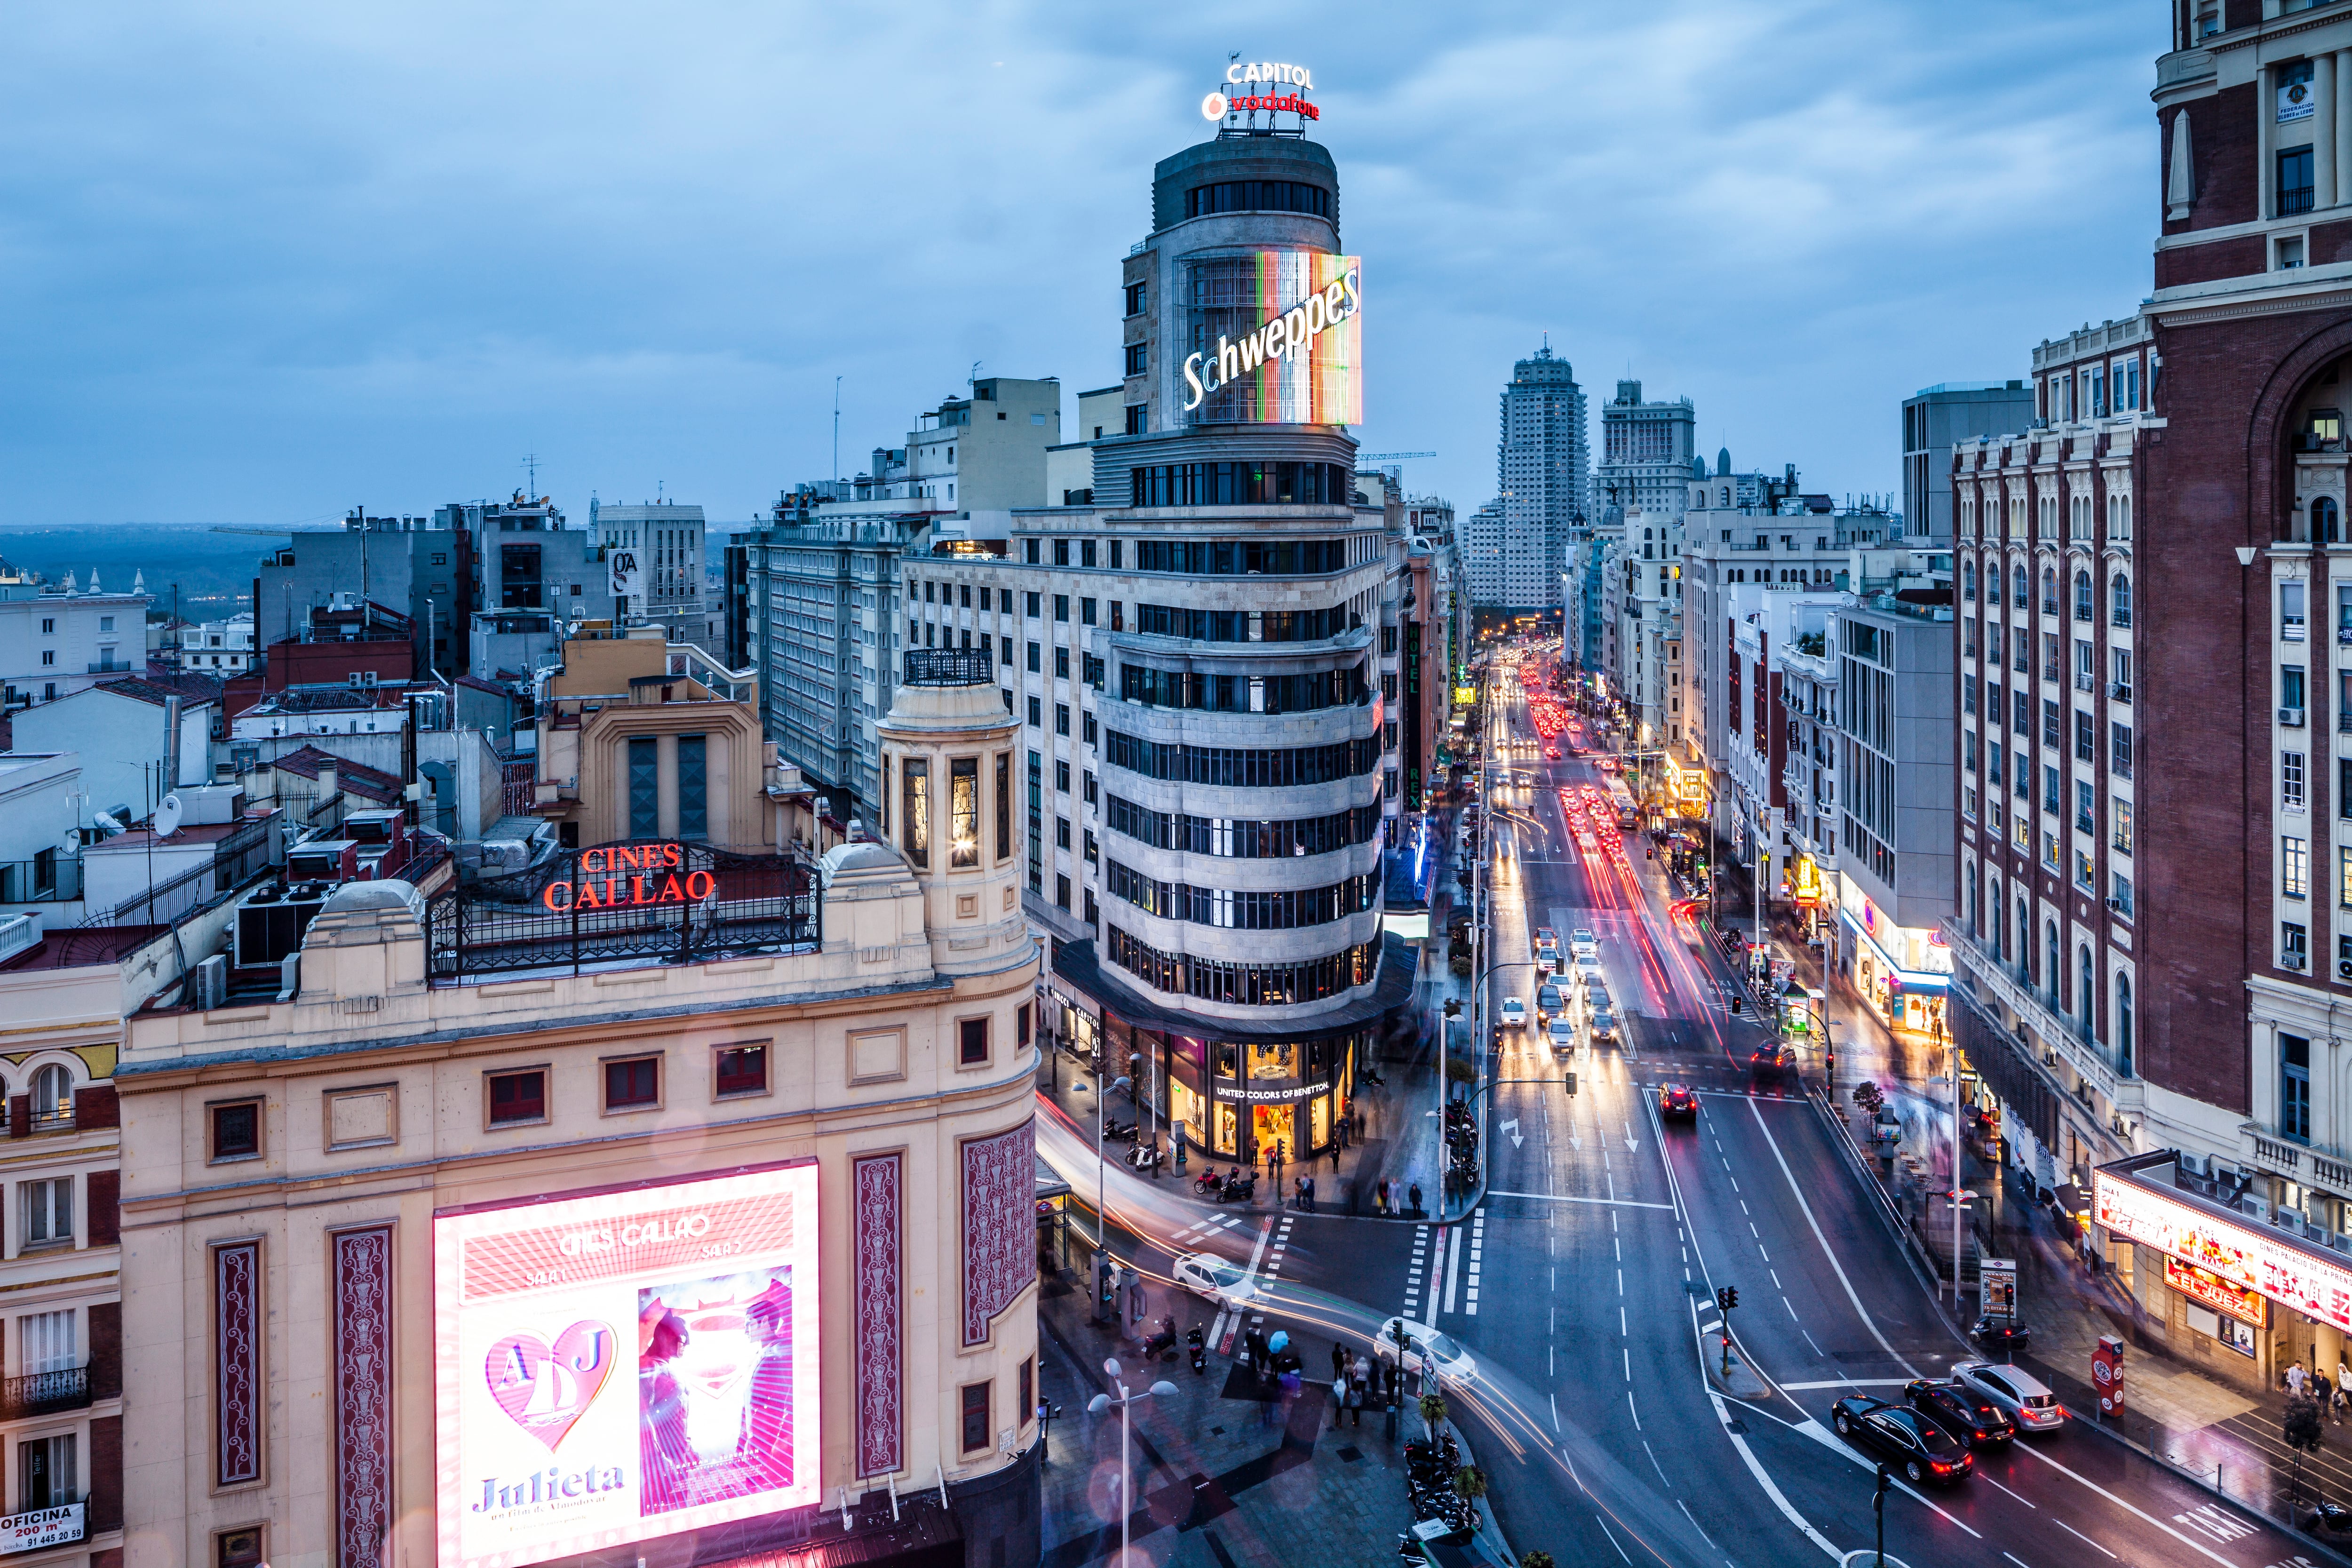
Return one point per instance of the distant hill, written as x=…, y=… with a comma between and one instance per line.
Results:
x=215, y=570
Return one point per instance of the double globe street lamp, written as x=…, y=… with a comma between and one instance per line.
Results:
x=1101, y=1402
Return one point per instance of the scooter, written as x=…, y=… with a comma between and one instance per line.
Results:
x=1239, y=1188
x=1207, y=1183
x=1161, y=1342
x=1145, y=1157
x=1200, y=1352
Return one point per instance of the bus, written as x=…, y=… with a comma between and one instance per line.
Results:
x=1621, y=800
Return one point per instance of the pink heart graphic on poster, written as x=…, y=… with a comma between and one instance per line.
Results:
x=546, y=1389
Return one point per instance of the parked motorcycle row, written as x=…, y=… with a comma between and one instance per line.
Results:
x=1461, y=1145
x=1429, y=1472
x=1238, y=1187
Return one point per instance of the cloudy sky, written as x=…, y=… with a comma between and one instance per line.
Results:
x=264, y=262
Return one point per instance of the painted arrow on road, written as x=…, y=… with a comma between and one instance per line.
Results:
x=1512, y=1127
x=1630, y=1144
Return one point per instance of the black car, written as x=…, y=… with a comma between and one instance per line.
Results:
x=1677, y=1099
x=2000, y=1336
x=1911, y=1445
x=1967, y=1414
x=1772, y=1061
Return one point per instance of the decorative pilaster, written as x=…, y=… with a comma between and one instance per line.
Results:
x=237, y=1375
x=879, y=1301
x=1000, y=1226
x=363, y=1273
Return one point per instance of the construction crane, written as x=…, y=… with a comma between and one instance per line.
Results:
x=1389, y=457
x=1390, y=466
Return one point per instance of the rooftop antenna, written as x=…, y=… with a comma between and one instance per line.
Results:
x=836, y=428
x=973, y=380
x=530, y=471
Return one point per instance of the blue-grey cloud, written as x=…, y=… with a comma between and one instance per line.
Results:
x=262, y=262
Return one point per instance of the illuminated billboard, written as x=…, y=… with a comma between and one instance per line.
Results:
x=548, y=1440
x=2245, y=1256
x=1276, y=339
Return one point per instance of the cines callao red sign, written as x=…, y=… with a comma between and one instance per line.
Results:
x=630, y=875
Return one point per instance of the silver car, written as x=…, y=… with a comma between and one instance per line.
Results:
x=2033, y=1406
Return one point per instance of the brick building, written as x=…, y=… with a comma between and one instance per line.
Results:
x=2141, y=988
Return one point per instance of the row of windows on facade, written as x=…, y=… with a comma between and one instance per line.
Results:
x=2040, y=969
x=1287, y=908
x=2081, y=510
x=1248, y=984
x=916, y=808
x=1306, y=692
x=2094, y=392
x=2085, y=665
x=1240, y=838
x=2119, y=591
x=512, y=1097
x=1189, y=557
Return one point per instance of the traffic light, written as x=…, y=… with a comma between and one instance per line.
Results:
x=1726, y=1297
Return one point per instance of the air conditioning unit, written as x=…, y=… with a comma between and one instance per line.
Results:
x=2343, y=969
x=2119, y=690
x=212, y=982
x=2290, y=960
x=2115, y=906
x=2291, y=717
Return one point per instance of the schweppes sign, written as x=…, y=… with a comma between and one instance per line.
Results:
x=1306, y=346
x=630, y=876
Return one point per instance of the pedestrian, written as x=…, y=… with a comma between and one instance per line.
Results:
x=1337, y=1144
x=1381, y=1198
x=2297, y=1378
x=1252, y=1350
x=1339, y=1400
x=1310, y=1193
x=1339, y=1359
x=1413, y=1192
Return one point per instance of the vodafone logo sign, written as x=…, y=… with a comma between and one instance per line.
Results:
x=1262, y=88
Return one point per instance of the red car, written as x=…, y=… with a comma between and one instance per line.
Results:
x=1677, y=1099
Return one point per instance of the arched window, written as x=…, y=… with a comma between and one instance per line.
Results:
x=1725, y=495
x=2053, y=983
x=52, y=1097
x=2119, y=609
x=2024, y=937
x=1974, y=929
x=2082, y=595
x=1969, y=580
x=2327, y=522
x=2049, y=590
x=2084, y=989
x=2123, y=1025
x=2024, y=595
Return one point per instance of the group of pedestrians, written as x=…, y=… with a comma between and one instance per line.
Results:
x=1356, y=1383
x=1391, y=1196
x=2314, y=1383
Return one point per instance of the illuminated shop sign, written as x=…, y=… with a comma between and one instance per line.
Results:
x=2236, y=1254
x=619, y=1366
x=2203, y=1285
x=1300, y=364
x=1258, y=89
x=630, y=875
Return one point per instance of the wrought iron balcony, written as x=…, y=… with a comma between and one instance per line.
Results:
x=40, y=1393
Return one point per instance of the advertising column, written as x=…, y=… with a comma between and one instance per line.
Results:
x=619, y=1365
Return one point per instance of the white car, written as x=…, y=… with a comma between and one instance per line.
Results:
x=2031, y=1404
x=1588, y=971
x=1220, y=1280
x=1563, y=1037
x=1583, y=944
x=1513, y=1014
x=1425, y=1350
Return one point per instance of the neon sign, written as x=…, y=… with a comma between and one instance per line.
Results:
x=1305, y=350
x=1262, y=75
x=653, y=877
x=2239, y=1255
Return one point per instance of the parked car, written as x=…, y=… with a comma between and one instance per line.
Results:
x=2031, y=1404
x=1513, y=1014
x=1908, y=1441
x=1675, y=1100
x=1963, y=1412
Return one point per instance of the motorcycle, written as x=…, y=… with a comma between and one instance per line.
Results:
x=1240, y=1187
x=1206, y=1184
x=1160, y=1343
x=1117, y=1129
x=1198, y=1356
x=1144, y=1156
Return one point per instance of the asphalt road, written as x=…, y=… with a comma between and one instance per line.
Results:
x=1585, y=1285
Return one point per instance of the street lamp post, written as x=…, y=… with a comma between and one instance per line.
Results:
x=1101, y=1402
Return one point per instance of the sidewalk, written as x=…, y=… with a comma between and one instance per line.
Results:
x=2217, y=1435
x=1224, y=1475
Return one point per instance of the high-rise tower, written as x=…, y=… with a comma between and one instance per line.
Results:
x=1540, y=465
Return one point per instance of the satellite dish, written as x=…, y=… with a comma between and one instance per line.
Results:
x=167, y=817
x=70, y=843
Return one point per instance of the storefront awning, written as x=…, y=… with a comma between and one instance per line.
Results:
x=1075, y=966
x=2136, y=1199
x=1913, y=979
